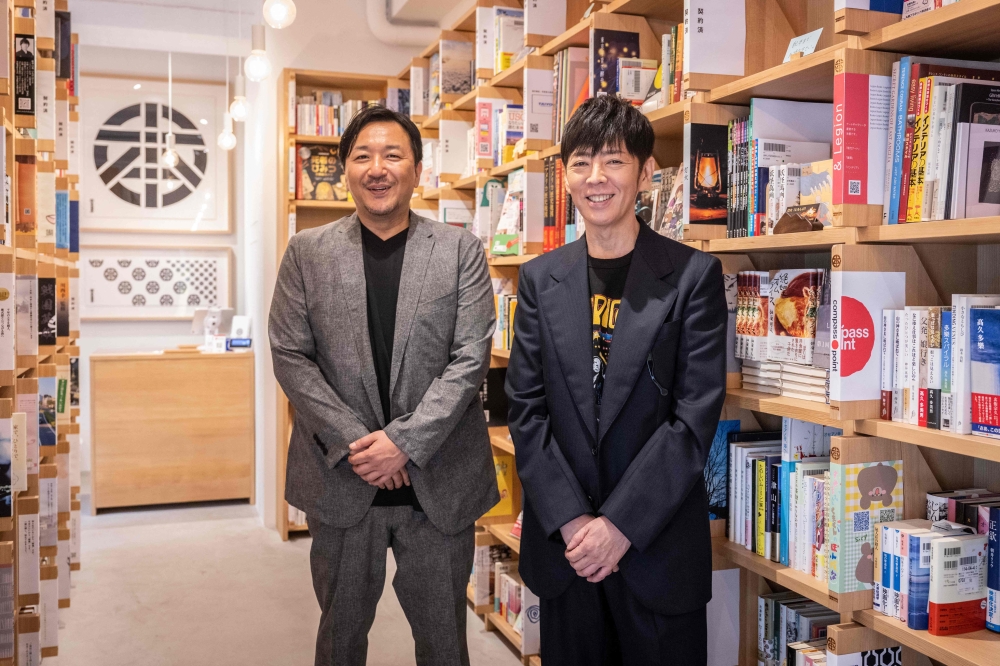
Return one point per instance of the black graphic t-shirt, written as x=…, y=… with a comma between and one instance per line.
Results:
x=607, y=284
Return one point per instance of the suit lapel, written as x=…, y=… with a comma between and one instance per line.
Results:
x=566, y=310
x=646, y=302
x=349, y=257
x=419, y=244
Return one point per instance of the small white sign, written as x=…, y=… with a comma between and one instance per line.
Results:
x=804, y=44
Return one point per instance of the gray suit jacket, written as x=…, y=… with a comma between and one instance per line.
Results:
x=441, y=349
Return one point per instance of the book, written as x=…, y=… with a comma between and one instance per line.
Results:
x=508, y=36
x=946, y=360
x=456, y=62
x=993, y=571
x=419, y=87
x=816, y=188
x=634, y=79
x=957, y=585
x=888, y=344
x=24, y=74
x=706, y=173
x=717, y=469
x=606, y=47
x=862, y=129
x=975, y=102
x=933, y=389
x=984, y=369
x=319, y=174
x=714, y=38
x=793, y=302
x=961, y=363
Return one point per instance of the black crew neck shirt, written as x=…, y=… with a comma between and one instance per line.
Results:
x=383, y=260
x=607, y=284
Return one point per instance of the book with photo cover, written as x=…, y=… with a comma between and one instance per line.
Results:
x=982, y=189
x=606, y=47
x=46, y=311
x=669, y=220
x=976, y=103
x=319, y=174
x=706, y=150
x=24, y=75
x=985, y=371
x=794, y=301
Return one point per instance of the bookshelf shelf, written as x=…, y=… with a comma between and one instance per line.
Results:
x=467, y=183
x=501, y=353
x=792, y=579
x=808, y=79
x=502, y=532
x=501, y=442
x=967, y=30
x=578, y=35
x=433, y=194
x=305, y=138
x=505, y=169
x=328, y=205
x=298, y=528
x=969, y=231
x=512, y=77
x=493, y=620
x=515, y=260
x=804, y=410
x=466, y=102
x=663, y=10
x=966, y=445
x=980, y=648
x=807, y=241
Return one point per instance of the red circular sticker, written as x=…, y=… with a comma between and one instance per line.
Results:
x=857, y=336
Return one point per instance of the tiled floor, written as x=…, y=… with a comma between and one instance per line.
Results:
x=209, y=585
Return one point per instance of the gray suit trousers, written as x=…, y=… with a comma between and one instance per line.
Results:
x=432, y=571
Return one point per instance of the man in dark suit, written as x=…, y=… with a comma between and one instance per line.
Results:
x=616, y=383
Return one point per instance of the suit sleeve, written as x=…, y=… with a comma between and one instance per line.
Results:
x=662, y=475
x=421, y=432
x=551, y=486
x=293, y=355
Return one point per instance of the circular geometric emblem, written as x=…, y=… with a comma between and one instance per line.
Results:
x=127, y=155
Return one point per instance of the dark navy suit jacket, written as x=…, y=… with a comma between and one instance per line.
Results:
x=643, y=466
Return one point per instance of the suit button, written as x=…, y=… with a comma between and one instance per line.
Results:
x=594, y=450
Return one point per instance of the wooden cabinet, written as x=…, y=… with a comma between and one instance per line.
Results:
x=171, y=427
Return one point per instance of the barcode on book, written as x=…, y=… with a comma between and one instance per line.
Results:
x=951, y=564
x=795, y=171
x=971, y=559
x=854, y=187
x=862, y=522
x=925, y=554
x=636, y=82
x=952, y=552
x=778, y=147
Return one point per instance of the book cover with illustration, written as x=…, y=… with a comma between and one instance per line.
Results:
x=862, y=496
x=706, y=153
x=319, y=174
x=669, y=220
x=606, y=47
x=816, y=187
x=457, y=61
x=47, y=393
x=717, y=470
x=985, y=371
x=793, y=305
x=504, y=464
x=46, y=311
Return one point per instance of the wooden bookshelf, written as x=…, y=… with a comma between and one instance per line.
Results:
x=502, y=532
x=804, y=410
x=965, y=30
x=500, y=440
x=501, y=353
x=466, y=102
x=808, y=79
x=577, y=35
x=973, y=446
x=305, y=138
x=980, y=648
x=968, y=231
x=513, y=165
x=515, y=260
x=661, y=10
x=324, y=205
x=786, y=577
x=495, y=621
x=512, y=77
x=808, y=241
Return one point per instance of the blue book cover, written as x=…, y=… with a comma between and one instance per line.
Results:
x=62, y=220
x=899, y=119
x=887, y=6
x=787, y=469
x=984, y=346
x=919, y=582
x=74, y=225
x=945, y=351
x=993, y=571
x=717, y=470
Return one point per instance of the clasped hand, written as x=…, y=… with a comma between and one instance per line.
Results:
x=594, y=547
x=378, y=461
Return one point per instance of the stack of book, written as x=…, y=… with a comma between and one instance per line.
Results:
x=508, y=36
x=942, y=161
x=789, y=625
x=518, y=606
x=505, y=304
x=570, y=77
x=482, y=580
x=326, y=113
x=941, y=365
x=560, y=214
x=508, y=129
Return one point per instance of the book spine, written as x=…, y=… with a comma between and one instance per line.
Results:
x=899, y=127
x=877, y=569
x=946, y=351
x=888, y=344
x=918, y=584
x=774, y=502
x=934, y=368
x=761, y=614
x=891, y=143
x=921, y=138
x=787, y=469
x=897, y=373
x=859, y=154
x=993, y=571
x=922, y=388
x=886, y=567
x=838, y=526
x=761, y=505
x=912, y=98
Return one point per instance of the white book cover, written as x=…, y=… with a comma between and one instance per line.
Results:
x=8, y=342
x=858, y=298
x=961, y=361
x=917, y=360
x=888, y=343
x=484, y=38
x=890, y=143
x=897, y=365
x=45, y=102
x=871, y=5
x=62, y=129
x=545, y=17
x=714, y=37
x=49, y=595
x=74, y=304
x=418, y=91
x=29, y=563
x=791, y=121
x=958, y=571
x=453, y=137
x=74, y=145
x=945, y=162
x=45, y=194
x=508, y=36
x=773, y=152
x=939, y=96
x=26, y=324
x=538, y=85
x=45, y=18
x=982, y=188
x=19, y=452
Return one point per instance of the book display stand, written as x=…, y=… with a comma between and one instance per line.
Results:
x=39, y=345
x=941, y=258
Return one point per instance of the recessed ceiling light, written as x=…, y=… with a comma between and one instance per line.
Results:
x=136, y=86
x=203, y=121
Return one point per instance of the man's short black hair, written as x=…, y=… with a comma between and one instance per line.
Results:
x=380, y=114
x=608, y=122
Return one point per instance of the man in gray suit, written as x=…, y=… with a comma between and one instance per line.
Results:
x=380, y=332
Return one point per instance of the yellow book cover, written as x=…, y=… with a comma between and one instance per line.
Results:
x=504, y=465
x=921, y=134
x=761, y=499
x=510, y=323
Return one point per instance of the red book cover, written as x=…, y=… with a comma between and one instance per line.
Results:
x=561, y=233
x=885, y=407
x=860, y=137
x=922, y=408
x=298, y=175
x=956, y=618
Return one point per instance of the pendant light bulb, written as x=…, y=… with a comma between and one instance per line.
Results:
x=227, y=140
x=169, y=158
x=239, y=109
x=257, y=67
x=279, y=13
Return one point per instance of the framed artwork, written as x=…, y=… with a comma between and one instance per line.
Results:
x=134, y=282
x=124, y=132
